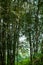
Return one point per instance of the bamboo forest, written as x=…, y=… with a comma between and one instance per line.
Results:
x=21, y=32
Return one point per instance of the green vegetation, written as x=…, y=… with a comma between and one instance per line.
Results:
x=21, y=32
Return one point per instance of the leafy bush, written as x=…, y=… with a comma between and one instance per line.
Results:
x=24, y=62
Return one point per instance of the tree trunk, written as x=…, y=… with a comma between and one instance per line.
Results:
x=30, y=47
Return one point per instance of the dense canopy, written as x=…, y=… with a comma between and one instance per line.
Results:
x=21, y=32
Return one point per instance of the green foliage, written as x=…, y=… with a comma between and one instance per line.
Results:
x=25, y=18
x=24, y=62
x=36, y=61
